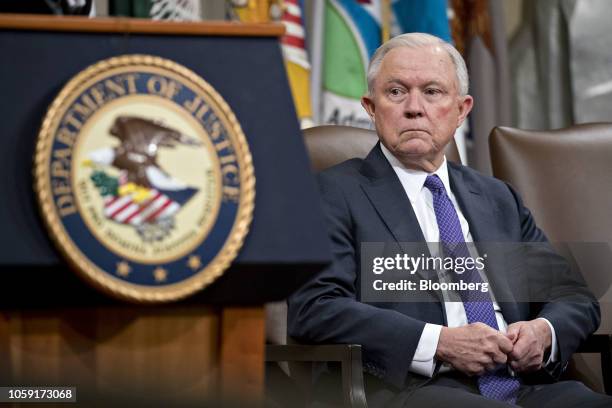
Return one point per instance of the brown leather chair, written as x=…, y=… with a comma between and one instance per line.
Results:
x=330, y=145
x=565, y=178
x=327, y=146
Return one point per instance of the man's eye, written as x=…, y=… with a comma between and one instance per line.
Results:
x=395, y=92
x=432, y=91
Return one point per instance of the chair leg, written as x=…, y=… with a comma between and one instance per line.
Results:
x=606, y=366
x=352, y=379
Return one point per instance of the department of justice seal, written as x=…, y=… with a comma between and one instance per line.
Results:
x=144, y=178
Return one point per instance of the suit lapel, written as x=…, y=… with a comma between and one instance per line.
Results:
x=474, y=205
x=389, y=198
x=387, y=195
x=483, y=217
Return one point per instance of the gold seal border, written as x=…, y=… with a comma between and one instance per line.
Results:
x=104, y=280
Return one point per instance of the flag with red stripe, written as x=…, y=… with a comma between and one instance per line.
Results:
x=293, y=45
x=159, y=205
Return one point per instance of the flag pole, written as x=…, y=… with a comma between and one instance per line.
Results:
x=385, y=20
x=316, y=59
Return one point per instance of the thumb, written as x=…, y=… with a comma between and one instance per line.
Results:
x=513, y=332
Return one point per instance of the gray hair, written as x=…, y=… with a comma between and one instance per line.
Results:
x=416, y=40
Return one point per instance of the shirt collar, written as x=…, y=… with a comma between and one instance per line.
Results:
x=413, y=180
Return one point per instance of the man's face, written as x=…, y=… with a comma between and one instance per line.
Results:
x=416, y=106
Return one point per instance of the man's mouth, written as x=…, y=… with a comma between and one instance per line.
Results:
x=408, y=131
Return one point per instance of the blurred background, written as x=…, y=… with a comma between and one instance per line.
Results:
x=541, y=64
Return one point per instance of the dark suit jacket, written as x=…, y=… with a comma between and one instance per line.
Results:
x=365, y=202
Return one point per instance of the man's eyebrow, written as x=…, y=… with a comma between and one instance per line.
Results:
x=394, y=81
x=434, y=82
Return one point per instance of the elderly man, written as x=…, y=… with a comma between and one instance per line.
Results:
x=472, y=352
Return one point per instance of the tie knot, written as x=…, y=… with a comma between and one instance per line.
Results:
x=434, y=184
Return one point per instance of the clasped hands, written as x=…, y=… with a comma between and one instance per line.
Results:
x=476, y=347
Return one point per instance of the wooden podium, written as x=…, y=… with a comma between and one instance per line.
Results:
x=209, y=348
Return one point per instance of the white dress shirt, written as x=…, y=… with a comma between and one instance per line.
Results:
x=421, y=200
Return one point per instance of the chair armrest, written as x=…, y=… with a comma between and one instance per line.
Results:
x=602, y=344
x=349, y=356
x=596, y=343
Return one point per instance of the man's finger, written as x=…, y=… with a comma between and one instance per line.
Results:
x=505, y=344
x=519, y=350
x=500, y=358
x=530, y=362
x=520, y=365
x=514, y=329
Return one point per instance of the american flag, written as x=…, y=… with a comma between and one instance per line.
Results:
x=159, y=205
x=293, y=43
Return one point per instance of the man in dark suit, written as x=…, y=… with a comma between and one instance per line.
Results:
x=475, y=350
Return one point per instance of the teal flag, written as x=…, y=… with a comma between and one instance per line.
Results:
x=422, y=16
x=351, y=35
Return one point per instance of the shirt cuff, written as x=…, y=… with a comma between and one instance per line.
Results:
x=423, y=362
x=554, y=348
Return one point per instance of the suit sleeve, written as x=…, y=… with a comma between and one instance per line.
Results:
x=326, y=309
x=570, y=306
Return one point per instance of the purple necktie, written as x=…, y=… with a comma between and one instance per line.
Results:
x=497, y=385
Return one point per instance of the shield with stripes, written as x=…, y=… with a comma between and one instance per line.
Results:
x=150, y=210
x=159, y=205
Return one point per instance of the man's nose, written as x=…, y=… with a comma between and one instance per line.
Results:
x=413, y=107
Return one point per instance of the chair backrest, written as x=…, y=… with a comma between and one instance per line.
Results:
x=565, y=178
x=329, y=145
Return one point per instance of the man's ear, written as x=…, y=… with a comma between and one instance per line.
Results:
x=465, y=107
x=368, y=104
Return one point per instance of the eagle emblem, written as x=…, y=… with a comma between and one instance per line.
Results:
x=144, y=195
